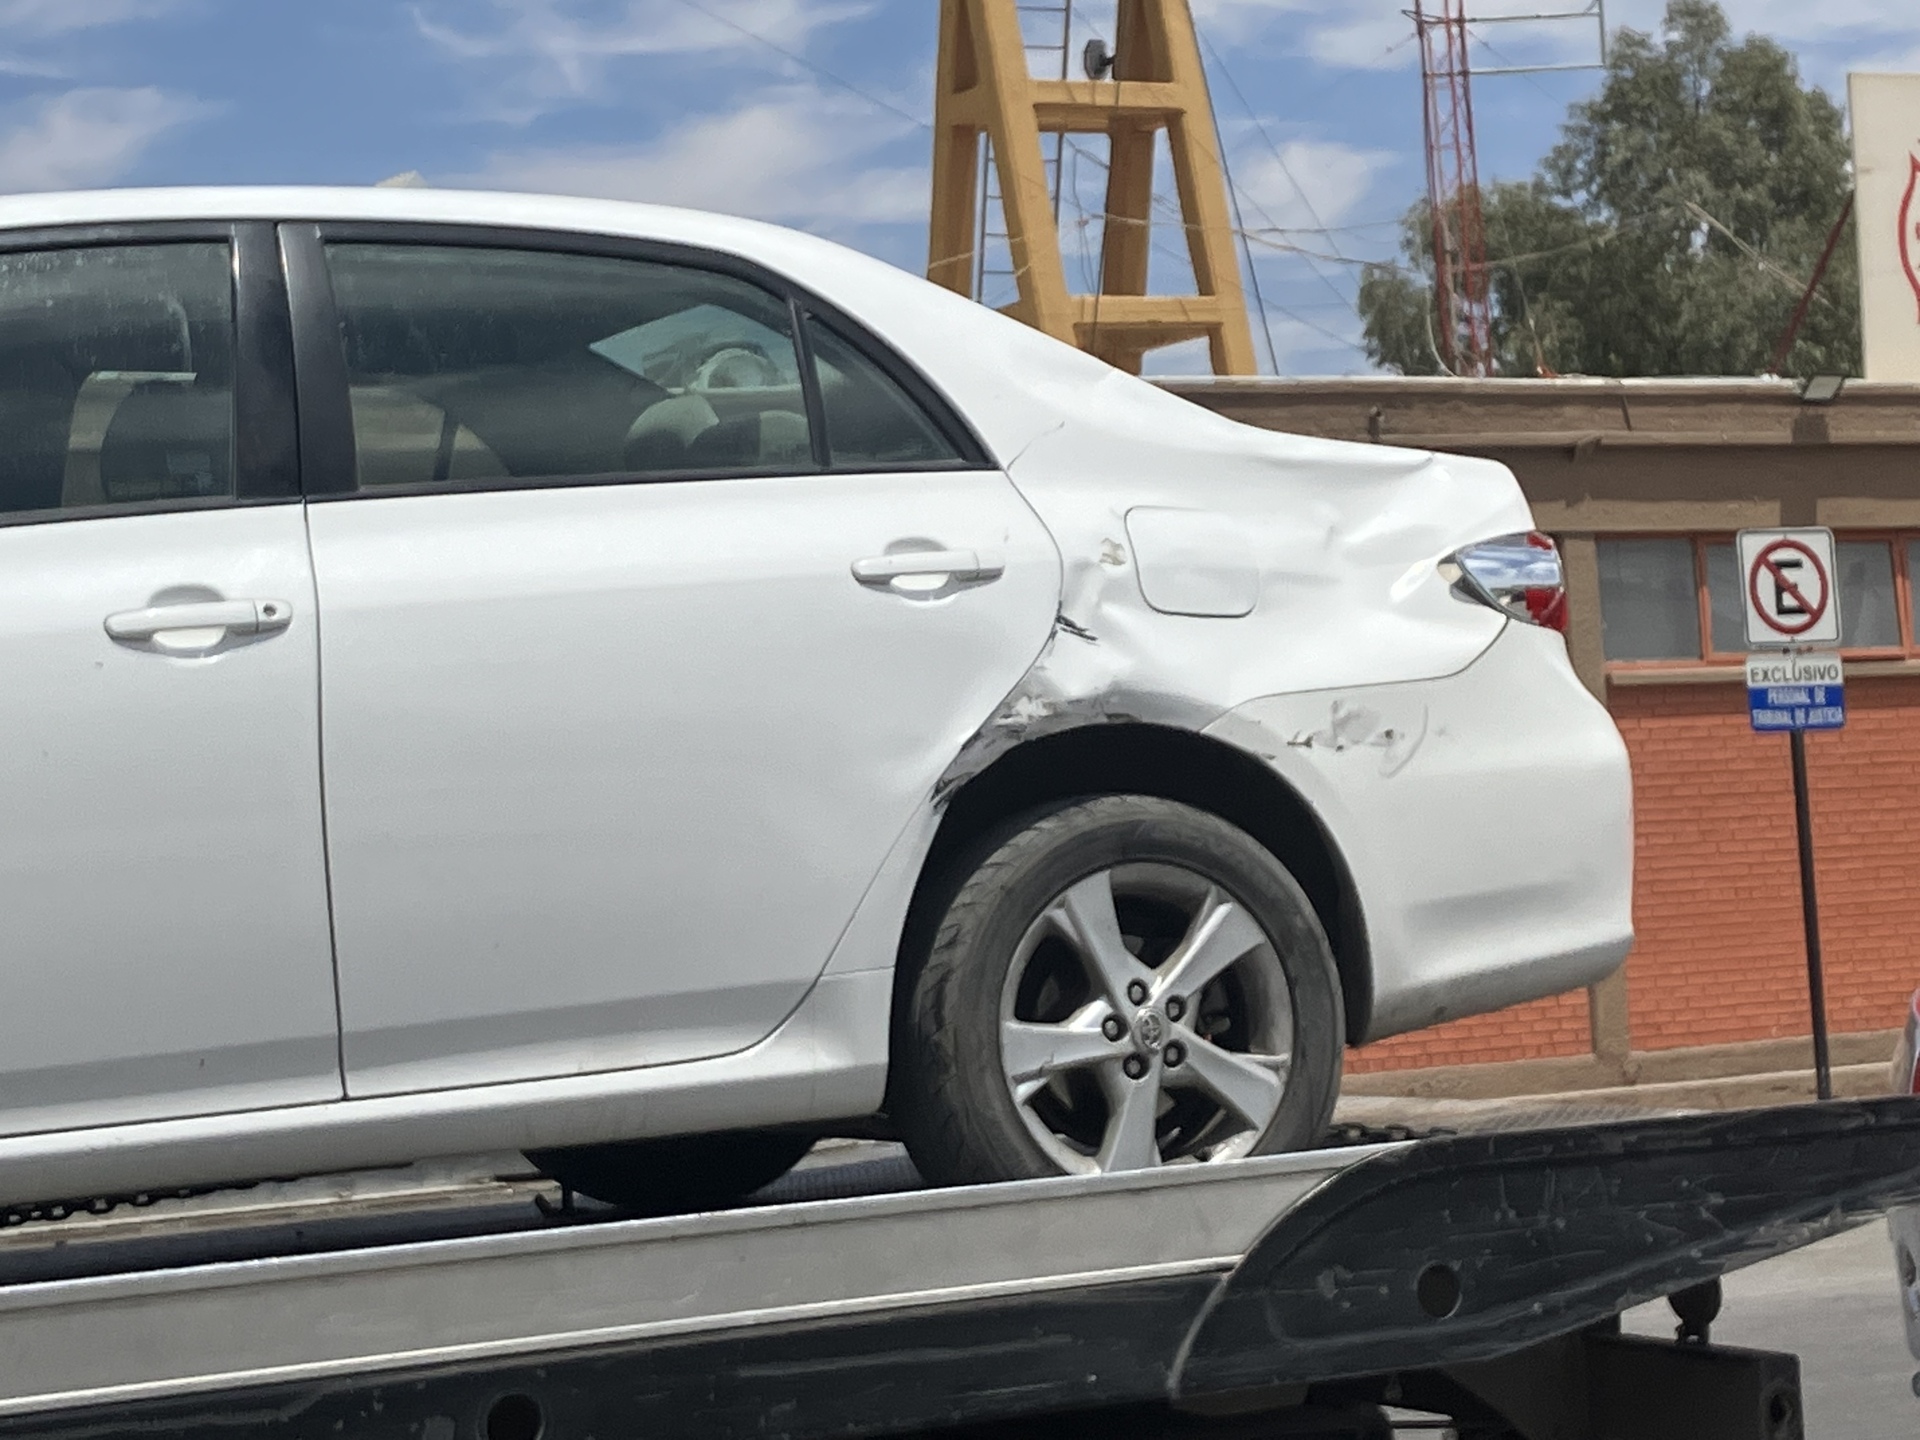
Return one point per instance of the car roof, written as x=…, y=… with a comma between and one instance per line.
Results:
x=882, y=296
x=372, y=202
x=1012, y=382
x=790, y=251
x=919, y=318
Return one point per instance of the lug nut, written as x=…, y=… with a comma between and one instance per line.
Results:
x=1176, y=1007
x=1112, y=1028
x=1135, y=1066
x=1175, y=1053
x=1137, y=991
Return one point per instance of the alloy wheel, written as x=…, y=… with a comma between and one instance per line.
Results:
x=1145, y=1020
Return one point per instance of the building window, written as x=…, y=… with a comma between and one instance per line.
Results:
x=1649, y=599
x=1869, y=610
x=1675, y=600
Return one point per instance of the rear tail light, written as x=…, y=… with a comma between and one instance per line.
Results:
x=1518, y=575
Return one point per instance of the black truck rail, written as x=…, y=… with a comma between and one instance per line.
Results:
x=1479, y=1278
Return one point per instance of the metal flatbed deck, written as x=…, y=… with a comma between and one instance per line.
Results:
x=1459, y=1272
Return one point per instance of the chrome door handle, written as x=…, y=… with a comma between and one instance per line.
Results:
x=955, y=564
x=240, y=617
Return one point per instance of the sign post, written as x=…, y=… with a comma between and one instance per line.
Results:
x=1791, y=606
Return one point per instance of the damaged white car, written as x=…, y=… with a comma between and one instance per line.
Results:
x=648, y=689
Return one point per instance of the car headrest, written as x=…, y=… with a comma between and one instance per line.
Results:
x=168, y=441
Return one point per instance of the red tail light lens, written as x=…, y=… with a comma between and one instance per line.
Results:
x=1518, y=575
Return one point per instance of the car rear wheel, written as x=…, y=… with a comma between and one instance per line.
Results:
x=1125, y=982
x=677, y=1175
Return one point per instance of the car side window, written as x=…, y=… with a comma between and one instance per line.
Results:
x=116, y=377
x=872, y=423
x=468, y=364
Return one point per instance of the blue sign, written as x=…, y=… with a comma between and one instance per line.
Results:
x=1795, y=692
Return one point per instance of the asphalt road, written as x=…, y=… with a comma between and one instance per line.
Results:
x=1837, y=1306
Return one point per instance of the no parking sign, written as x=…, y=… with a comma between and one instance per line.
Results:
x=1793, y=605
x=1789, y=587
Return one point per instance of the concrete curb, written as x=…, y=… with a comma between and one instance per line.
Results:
x=1614, y=1102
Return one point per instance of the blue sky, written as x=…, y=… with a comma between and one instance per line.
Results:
x=808, y=112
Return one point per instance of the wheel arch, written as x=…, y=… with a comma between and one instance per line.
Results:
x=1169, y=764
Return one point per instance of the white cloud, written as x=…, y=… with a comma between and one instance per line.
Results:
x=38, y=27
x=1377, y=34
x=1828, y=39
x=1369, y=42
x=1789, y=21
x=1329, y=347
x=546, y=53
x=29, y=18
x=1894, y=59
x=88, y=136
x=797, y=156
x=1189, y=357
x=1299, y=348
x=1347, y=34
x=1239, y=19
x=1303, y=183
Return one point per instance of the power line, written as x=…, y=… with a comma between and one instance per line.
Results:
x=1246, y=249
x=799, y=59
x=1319, y=227
x=1612, y=232
x=1083, y=216
x=1354, y=228
x=1346, y=306
x=1279, y=157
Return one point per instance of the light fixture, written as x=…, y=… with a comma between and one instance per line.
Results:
x=1097, y=60
x=1821, y=389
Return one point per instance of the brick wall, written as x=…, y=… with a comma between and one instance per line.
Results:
x=1716, y=893
x=1718, y=954
x=1555, y=1026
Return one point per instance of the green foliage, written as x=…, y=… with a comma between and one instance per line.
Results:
x=1671, y=230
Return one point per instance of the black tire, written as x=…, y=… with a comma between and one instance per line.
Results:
x=678, y=1175
x=954, y=1103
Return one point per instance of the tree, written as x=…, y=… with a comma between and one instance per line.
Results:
x=1670, y=232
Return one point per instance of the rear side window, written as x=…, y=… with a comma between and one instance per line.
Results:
x=116, y=377
x=469, y=364
x=872, y=423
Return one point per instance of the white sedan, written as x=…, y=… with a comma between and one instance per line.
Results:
x=647, y=688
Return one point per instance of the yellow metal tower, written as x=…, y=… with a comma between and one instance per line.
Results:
x=985, y=89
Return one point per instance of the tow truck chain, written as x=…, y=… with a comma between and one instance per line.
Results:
x=53, y=1211
x=42, y=1211
x=1341, y=1136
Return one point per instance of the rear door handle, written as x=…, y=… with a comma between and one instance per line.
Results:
x=955, y=564
x=238, y=617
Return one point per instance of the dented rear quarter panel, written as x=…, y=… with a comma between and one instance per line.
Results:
x=1485, y=817
x=1477, y=793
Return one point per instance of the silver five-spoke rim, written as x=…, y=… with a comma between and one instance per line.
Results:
x=1145, y=1020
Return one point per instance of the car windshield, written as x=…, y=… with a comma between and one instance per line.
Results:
x=703, y=347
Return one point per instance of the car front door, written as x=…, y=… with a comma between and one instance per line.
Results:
x=163, y=920
x=637, y=657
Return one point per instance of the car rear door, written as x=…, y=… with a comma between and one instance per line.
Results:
x=163, y=924
x=639, y=650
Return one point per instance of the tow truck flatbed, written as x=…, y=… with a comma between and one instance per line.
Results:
x=1479, y=1277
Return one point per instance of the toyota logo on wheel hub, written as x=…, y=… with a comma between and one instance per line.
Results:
x=1150, y=1029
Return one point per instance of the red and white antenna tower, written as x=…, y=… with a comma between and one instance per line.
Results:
x=1463, y=310
x=1463, y=306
